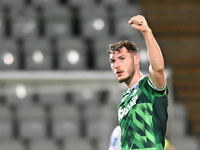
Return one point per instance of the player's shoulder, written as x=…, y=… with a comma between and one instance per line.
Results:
x=147, y=84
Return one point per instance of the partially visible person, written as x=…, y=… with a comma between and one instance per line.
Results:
x=168, y=145
x=115, y=139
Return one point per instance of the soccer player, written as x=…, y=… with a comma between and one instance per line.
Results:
x=142, y=112
x=116, y=138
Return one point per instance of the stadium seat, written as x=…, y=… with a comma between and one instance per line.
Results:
x=66, y=112
x=6, y=126
x=13, y=4
x=64, y=128
x=81, y=3
x=9, y=59
x=65, y=121
x=11, y=145
x=77, y=144
x=43, y=144
x=24, y=23
x=72, y=54
x=31, y=112
x=33, y=129
x=97, y=112
x=94, y=21
x=45, y=3
x=6, y=130
x=32, y=122
x=114, y=2
x=94, y=104
x=5, y=113
x=2, y=27
x=38, y=54
x=57, y=21
x=51, y=95
x=123, y=8
x=18, y=94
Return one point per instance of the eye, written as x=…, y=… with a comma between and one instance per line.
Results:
x=112, y=61
x=122, y=58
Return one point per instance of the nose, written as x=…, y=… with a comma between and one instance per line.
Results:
x=117, y=64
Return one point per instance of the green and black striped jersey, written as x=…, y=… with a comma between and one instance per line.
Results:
x=142, y=115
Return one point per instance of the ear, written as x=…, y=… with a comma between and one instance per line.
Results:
x=136, y=59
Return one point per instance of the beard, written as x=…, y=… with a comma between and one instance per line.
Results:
x=128, y=75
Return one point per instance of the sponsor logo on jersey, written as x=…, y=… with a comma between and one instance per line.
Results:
x=123, y=111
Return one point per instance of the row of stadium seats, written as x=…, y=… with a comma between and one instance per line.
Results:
x=59, y=54
x=64, y=54
x=47, y=144
x=55, y=114
x=18, y=4
x=56, y=20
x=58, y=116
x=63, y=35
x=59, y=122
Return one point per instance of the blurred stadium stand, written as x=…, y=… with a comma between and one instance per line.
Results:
x=56, y=88
x=70, y=110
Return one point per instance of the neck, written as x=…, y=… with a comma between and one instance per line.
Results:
x=137, y=76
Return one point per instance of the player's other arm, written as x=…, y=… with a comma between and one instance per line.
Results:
x=156, y=69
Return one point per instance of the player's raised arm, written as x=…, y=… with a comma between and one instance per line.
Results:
x=156, y=69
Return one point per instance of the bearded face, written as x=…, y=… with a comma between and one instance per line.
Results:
x=122, y=64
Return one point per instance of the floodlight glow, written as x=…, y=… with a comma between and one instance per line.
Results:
x=98, y=24
x=38, y=56
x=8, y=58
x=73, y=57
x=21, y=91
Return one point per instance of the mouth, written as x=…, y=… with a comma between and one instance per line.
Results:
x=119, y=72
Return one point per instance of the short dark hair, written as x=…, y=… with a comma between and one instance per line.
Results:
x=131, y=47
